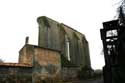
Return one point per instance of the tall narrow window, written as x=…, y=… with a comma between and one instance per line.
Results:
x=67, y=48
x=68, y=52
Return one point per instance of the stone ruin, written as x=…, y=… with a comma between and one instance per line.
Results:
x=60, y=54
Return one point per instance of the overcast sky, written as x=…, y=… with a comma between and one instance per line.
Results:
x=18, y=20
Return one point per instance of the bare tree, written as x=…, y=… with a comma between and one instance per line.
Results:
x=121, y=13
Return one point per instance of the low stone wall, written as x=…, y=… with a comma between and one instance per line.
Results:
x=15, y=74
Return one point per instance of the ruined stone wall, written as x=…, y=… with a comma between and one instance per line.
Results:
x=26, y=54
x=54, y=35
x=48, y=33
x=79, y=49
x=47, y=64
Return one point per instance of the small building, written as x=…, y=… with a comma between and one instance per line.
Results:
x=46, y=63
x=60, y=55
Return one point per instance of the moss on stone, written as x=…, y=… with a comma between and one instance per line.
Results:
x=66, y=63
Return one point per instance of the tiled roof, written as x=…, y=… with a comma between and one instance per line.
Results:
x=15, y=65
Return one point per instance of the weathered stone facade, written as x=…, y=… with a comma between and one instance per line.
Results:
x=46, y=62
x=60, y=55
x=15, y=73
x=72, y=44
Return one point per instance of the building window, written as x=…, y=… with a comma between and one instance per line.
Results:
x=67, y=48
x=68, y=52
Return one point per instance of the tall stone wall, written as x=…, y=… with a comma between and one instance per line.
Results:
x=79, y=49
x=55, y=35
x=48, y=34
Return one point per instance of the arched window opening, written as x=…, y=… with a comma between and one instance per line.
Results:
x=67, y=48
